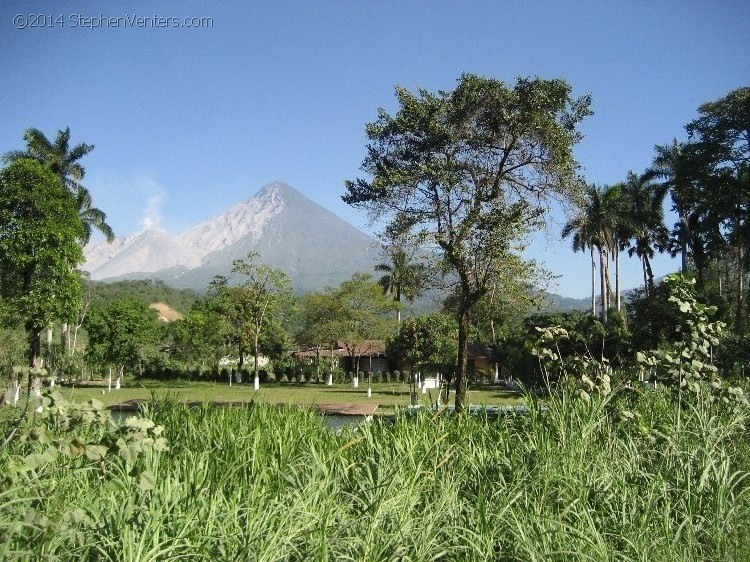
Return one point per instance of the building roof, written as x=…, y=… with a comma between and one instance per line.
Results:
x=368, y=348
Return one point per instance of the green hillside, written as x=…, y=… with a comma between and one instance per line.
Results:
x=146, y=290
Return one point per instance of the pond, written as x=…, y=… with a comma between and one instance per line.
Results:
x=334, y=421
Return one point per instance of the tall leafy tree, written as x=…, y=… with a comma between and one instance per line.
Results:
x=252, y=300
x=202, y=333
x=671, y=173
x=40, y=248
x=584, y=237
x=468, y=173
x=428, y=342
x=402, y=277
x=721, y=149
x=120, y=333
x=318, y=315
x=360, y=315
x=64, y=161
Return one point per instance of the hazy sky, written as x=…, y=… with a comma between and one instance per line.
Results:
x=189, y=121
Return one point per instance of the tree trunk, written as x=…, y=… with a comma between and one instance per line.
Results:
x=398, y=303
x=683, y=243
x=650, y=275
x=330, y=373
x=609, y=282
x=49, y=341
x=593, y=282
x=64, y=338
x=603, y=284
x=34, y=336
x=463, y=358
x=617, y=279
x=739, y=323
x=255, y=359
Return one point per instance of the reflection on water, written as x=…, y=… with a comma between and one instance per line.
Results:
x=333, y=421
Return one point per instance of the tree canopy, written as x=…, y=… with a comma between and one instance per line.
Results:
x=468, y=173
x=40, y=247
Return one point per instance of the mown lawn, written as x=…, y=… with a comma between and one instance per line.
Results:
x=388, y=396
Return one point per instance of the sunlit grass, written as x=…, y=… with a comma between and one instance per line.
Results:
x=570, y=483
x=386, y=395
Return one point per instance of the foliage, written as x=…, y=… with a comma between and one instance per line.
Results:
x=426, y=342
x=318, y=314
x=467, y=174
x=146, y=290
x=583, y=337
x=360, y=316
x=202, y=334
x=11, y=350
x=64, y=162
x=40, y=247
x=569, y=481
x=687, y=364
x=402, y=277
x=121, y=332
x=254, y=305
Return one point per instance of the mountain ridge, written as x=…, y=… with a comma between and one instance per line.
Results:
x=287, y=230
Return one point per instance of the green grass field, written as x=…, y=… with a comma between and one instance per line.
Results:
x=575, y=481
x=388, y=396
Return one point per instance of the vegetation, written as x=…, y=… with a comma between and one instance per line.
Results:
x=144, y=290
x=402, y=277
x=253, y=306
x=468, y=173
x=611, y=478
x=120, y=333
x=40, y=247
x=631, y=441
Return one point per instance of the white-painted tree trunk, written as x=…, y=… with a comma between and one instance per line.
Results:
x=356, y=381
x=109, y=384
x=15, y=392
x=256, y=383
x=38, y=392
x=369, y=392
x=330, y=379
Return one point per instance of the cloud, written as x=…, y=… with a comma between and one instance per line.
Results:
x=152, y=217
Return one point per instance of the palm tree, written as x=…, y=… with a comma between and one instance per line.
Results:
x=615, y=212
x=646, y=218
x=64, y=161
x=595, y=225
x=403, y=278
x=670, y=166
x=583, y=238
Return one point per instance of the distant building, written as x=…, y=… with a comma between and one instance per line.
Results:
x=371, y=355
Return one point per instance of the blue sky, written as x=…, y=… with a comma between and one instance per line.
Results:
x=188, y=122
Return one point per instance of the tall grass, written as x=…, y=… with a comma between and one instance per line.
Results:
x=575, y=482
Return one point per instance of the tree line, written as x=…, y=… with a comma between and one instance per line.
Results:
x=457, y=181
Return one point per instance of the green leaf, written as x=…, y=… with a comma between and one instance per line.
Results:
x=116, y=485
x=147, y=481
x=96, y=452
